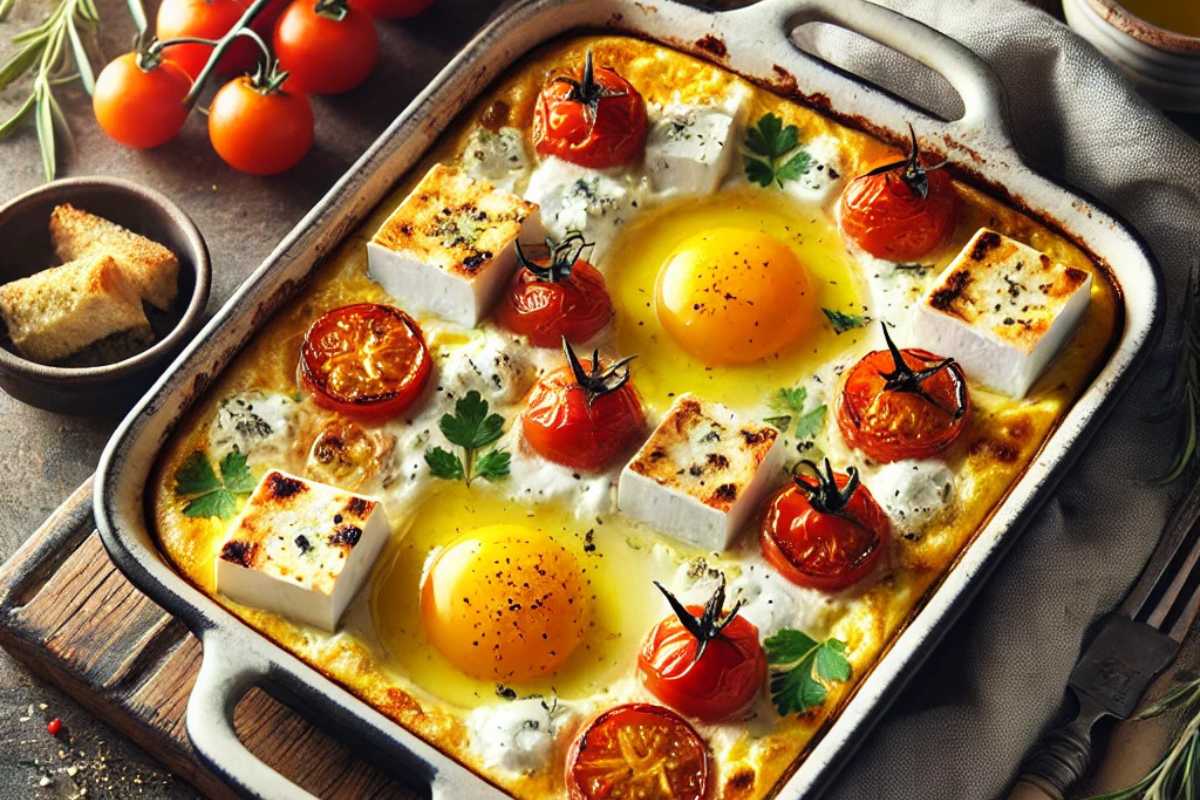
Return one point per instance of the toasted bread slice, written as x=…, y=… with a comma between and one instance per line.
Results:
x=152, y=268
x=61, y=310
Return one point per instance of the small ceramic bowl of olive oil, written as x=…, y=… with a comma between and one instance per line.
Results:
x=1155, y=42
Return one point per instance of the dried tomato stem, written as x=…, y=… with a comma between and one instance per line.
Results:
x=903, y=378
x=562, y=256
x=599, y=381
x=710, y=623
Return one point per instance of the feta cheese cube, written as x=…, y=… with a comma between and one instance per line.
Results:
x=701, y=473
x=301, y=549
x=689, y=149
x=575, y=198
x=496, y=156
x=1002, y=310
x=448, y=250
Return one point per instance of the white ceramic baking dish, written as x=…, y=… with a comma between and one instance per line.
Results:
x=753, y=41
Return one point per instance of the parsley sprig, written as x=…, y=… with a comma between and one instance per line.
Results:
x=842, y=322
x=791, y=402
x=209, y=495
x=802, y=668
x=472, y=428
x=772, y=152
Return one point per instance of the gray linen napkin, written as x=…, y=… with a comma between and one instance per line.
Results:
x=964, y=723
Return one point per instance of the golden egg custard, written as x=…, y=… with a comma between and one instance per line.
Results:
x=515, y=604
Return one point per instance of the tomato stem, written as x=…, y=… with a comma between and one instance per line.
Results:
x=710, y=623
x=903, y=378
x=599, y=381
x=561, y=257
x=335, y=10
x=222, y=45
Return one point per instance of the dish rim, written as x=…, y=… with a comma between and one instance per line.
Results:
x=978, y=143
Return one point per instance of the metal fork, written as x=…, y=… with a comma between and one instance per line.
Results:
x=1132, y=645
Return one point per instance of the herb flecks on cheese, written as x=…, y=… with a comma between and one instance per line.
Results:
x=700, y=473
x=300, y=548
x=1002, y=310
x=449, y=247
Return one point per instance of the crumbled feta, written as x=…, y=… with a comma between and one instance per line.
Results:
x=260, y=425
x=496, y=156
x=448, y=249
x=489, y=364
x=301, y=549
x=575, y=198
x=823, y=178
x=913, y=492
x=1002, y=309
x=519, y=735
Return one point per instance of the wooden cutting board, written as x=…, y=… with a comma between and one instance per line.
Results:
x=72, y=618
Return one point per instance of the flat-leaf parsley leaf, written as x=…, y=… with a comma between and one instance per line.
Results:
x=808, y=423
x=772, y=154
x=208, y=495
x=842, y=322
x=802, y=668
x=470, y=427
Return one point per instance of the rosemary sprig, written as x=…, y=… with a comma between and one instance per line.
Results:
x=1182, y=391
x=55, y=53
x=1177, y=775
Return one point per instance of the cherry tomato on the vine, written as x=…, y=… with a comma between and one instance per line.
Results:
x=704, y=664
x=596, y=121
x=583, y=415
x=392, y=9
x=899, y=404
x=825, y=530
x=141, y=107
x=206, y=19
x=260, y=126
x=326, y=46
x=565, y=296
x=365, y=360
x=901, y=210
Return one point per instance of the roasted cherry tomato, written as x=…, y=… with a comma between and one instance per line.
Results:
x=259, y=125
x=597, y=121
x=824, y=531
x=704, y=664
x=899, y=404
x=365, y=360
x=585, y=414
x=563, y=297
x=641, y=751
x=205, y=19
x=901, y=210
x=326, y=46
x=139, y=100
x=392, y=9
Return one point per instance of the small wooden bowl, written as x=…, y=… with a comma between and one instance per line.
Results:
x=24, y=227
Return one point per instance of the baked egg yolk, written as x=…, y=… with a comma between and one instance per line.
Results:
x=735, y=296
x=722, y=295
x=505, y=603
x=611, y=561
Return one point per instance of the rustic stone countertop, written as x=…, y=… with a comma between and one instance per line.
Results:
x=47, y=455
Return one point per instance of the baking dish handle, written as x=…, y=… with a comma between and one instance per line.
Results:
x=225, y=677
x=972, y=77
